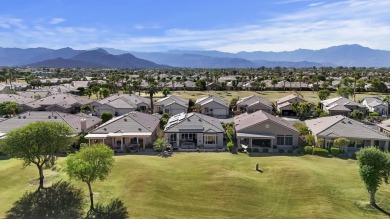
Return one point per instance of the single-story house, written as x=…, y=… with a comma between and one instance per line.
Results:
x=253, y=103
x=25, y=102
x=171, y=105
x=263, y=130
x=194, y=130
x=341, y=106
x=284, y=105
x=120, y=104
x=384, y=127
x=375, y=104
x=339, y=126
x=133, y=130
x=79, y=123
x=66, y=103
x=212, y=106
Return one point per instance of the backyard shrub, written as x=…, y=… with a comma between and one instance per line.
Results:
x=281, y=150
x=255, y=150
x=265, y=150
x=321, y=152
x=353, y=156
x=308, y=150
x=230, y=146
x=299, y=151
x=334, y=151
x=290, y=151
x=249, y=150
x=240, y=150
x=374, y=114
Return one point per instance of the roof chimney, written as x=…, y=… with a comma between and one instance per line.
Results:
x=83, y=125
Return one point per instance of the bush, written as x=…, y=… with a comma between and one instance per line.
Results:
x=106, y=116
x=256, y=150
x=249, y=150
x=335, y=151
x=302, y=128
x=299, y=151
x=241, y=150
x=230, y=146
x=374, y=114
x=265, y=150
x=353, y=156
x=308, y=150
x=321, y=152
x=281, y=150
x=290, y=151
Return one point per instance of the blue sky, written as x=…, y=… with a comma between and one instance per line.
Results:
x=225, y=25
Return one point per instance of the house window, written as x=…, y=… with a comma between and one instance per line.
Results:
x=142, y=108
x=280, y=140
x=166, y=111
x=210, y=139
x=187, y=136
x=284, y=140
x=288, y=140
x=133, y=141
x=351, y=144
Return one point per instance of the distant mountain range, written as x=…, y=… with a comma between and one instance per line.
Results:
x=344, y=55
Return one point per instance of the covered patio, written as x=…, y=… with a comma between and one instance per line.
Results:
x=121, y=141
x=250, y=140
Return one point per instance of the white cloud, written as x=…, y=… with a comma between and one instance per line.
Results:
x=142, y=27
x=57, y=20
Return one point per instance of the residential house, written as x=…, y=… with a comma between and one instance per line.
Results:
x=25, y=102
x=194, y=130
x=384, y=127
x=284, y=105
x=35, y=94
x=263, y=130
x=339, y=126
x=120, y=104
x=131, y=131
x=212, y=106
x=171, y=105
x=375, y=104
x=5, y=88
x=66, y=103
x=79, y=123
x=253, y=103
x=341, y=106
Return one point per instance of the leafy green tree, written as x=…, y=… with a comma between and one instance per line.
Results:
x=374, y=169
x=90, y=164
x=104, y=92
x=81, y=90
x=161, y=144
x=88, y=92
x=2, y=78
x=37, y=143
x=357, y=114
x=191, y=105
x=323, y=94
x=8, y=108
x=166, y=91
x=106, y=117
x=345, y=91
x=302, y=109
x=341, y=142
x=201, y=84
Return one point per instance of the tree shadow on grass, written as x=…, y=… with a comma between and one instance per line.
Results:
x=61, y=200
x=381, y=210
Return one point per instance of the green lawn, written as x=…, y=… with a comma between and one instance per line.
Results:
x=269, y=95
x=221, y=185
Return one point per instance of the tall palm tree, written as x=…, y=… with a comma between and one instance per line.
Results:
x=151, y=90
x=387, y=100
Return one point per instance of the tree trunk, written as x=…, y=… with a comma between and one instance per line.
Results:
x=90, y=196
x=41, y=176
x=372, y=197
x=151, y=103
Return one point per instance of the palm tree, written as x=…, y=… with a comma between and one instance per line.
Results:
x=151, y=90
x=387, y=100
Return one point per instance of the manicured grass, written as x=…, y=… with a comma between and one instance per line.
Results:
x=269, y=95
x=221, y=185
